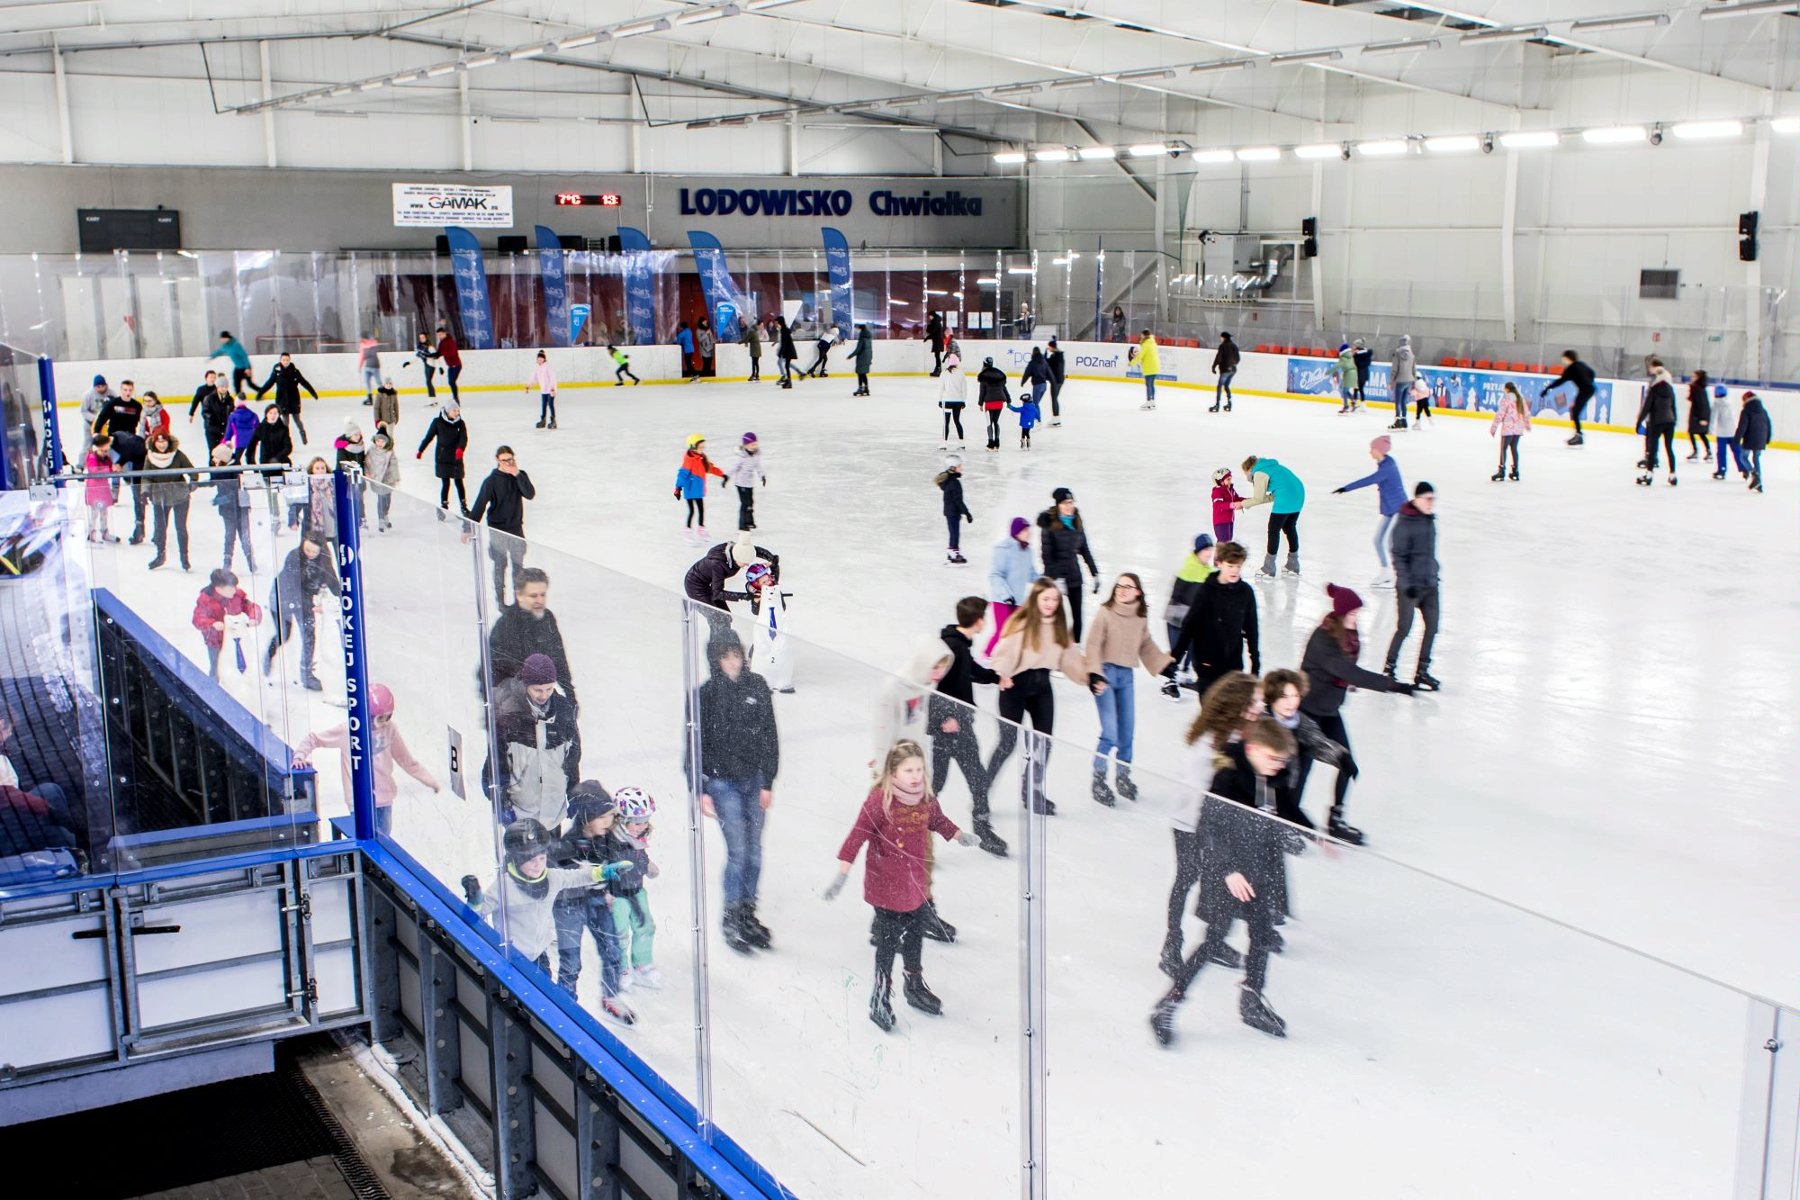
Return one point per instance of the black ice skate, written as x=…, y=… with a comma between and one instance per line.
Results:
x=1577, y=440
x=1169, y=962
x=1645, y=480
x=956, y=559
x=1515, y=475
x=1258, y=1015
x=1398, y=425
x=1102, y=793
x=735, y=937
x=1720, y=474
x=1345, y=832
x=881, y=1003
x=920, y=996
x=1497, y=476
x=1424, y=682
x=1122, y=781
x=757, y=933
x=988, y=839
x=1672, y=479
x=1162, y=1019
x=934, y=926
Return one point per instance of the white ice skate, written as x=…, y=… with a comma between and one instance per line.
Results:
x=1383, y=579
x=648, y=977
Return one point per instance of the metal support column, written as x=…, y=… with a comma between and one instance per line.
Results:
x=441, y=1031
x=596, y=1139
x=361, y=749
x=515, y=1138
x=1034, y=767
x=382, y=948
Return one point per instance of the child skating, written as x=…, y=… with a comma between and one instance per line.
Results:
x=543, y=381
x=896, y=823
x=592, y=815
x=214, y=609
x=1225, y=501
x=390, y=751
x=621, y=367
x=629, y=843
x=746, y=475
x=1510, y=423
x=99, y=494
x=1027, y=408
x=949, y=481
x=690, y=485
x=527, y=888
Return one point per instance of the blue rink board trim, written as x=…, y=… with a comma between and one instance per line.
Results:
x=670, y=1113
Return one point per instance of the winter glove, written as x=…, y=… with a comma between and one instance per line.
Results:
x=1405, y=689
x=965, y=838
x=459, y=454
x=613, y=870
x=420, y=455
x=1168, y=672
x=969, y=517
x=676, y=493
x=835, y=886
x=471, y=888
x=1096, y=682
x=1096, y=587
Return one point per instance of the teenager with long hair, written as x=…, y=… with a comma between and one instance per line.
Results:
x=1118, y=641
x=1035, y=641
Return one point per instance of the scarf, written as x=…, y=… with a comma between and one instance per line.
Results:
x=913, y=796
x=537, y=888
x=160, y=462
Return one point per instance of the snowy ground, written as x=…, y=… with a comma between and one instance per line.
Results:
x=1612, y=750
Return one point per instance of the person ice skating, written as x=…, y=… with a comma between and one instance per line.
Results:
x=746, y=475
x=1390, y=491
x=952, y=719
x=1405, y=373
x=92, y=401
x=240, y=431
x=123, y=413
x=1753, y=434
x=169, y=498
x=1221, y=623
x=740, y=755
x=383, y=467
x=949, y=482
x=368, y=365
x=1118, y=642
x=1241, y=871
x=785, y=354
x=1194, y=571
x=232, y=351
x=98, y=492
x=705, y=581
x=753, y=344
x=219, y=601
x=543, y=382
x=1725, y=423
x=288, y=382
x=1421, y=392
x=1331, y=671
x=423, y=351
x=821, y=349
x=317, y=512
x=1579, y=376
x=629, y=842
x=1346, y=377
x=387, y=406
x=706, y=345
x=1036, y=641
x=540, y=746
x=621, y=367
x=1054, y=360
x=934, y=342
x=270, y=443
x=232, y=500
x=1065, y=548
x=1699, y=422
x=528, y=628
x=452, y=438
x=864, y=359
x=1150, y=363
x=1226, y=708
x=129, y=450
x=1225, y=501
x=1009, y=575
x=1512, y=421
x=592, y=815
x=155, y=419
x=527, y=889
x=1275, y=485
x=1415, y=558
x=388, y=747
x=951, y=396
x=990, y=384
x=352, y=451
x=1225, y=366
x=1282, y=692
x=690, y=485
x=1365, y=363
x=451, y=355
x=902, y=705
x=896, y=822
x=306, y=575
x=1656, y=417
x=213, y=403
x=500, y=503
x=1035, y=378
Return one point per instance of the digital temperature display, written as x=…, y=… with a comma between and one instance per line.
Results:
x=588, y=199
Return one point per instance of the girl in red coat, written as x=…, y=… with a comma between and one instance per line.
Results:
x=1224, y=501
x=896, y=822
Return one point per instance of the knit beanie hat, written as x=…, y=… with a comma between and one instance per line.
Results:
x=749, y=439
x=99, y=380
x=1061, y=494
x=1424, y=488
x=743, y=551
x=1202, y=542
x=537, y=670
x=1019, y=525
x=1384, y=443
x=1343, y=600
x=952, y=461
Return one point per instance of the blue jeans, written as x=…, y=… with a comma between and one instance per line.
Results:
x=1118, y=715
x=1149, y=388
x=591, y=909
x=1402, y=393
x=738, y=803
x=1381, y=538
x=1223, y=388
x=1752, y=461
x=1737, y=455
x=1037, y=391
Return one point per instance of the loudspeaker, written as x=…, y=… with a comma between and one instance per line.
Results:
x=442, y=246
x=613, y=246
x=1747, y=223
x=1309, y=233
x=572, y=241
x=512, y=244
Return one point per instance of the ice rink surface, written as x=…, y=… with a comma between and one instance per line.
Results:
x=1613, y=749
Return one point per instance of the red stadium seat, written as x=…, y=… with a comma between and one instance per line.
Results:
x=1463, y=362
x=1447, y=361
x=1483, y=364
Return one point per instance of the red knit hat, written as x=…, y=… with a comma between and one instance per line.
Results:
x=1343, y=600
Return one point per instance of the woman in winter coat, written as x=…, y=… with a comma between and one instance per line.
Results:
x=1117, y=643
x=1699, y=416
x=706, y=344
x=1036, y=375
x=951, y=397
x=168, y=496
x=785, y=354
x=452, y=438
x=387, y=406
x=382, y=466
x=1331, y=671
x=1511, y=422
x=1391, y=491
x=1065, y=548
x=990, y=383
x=271, y=444
x=865, y=359
x=753, y=343
x=1035, y=642
x=1010, y=576
x=1656, y=417
x=155, y=419
x=1753, y=433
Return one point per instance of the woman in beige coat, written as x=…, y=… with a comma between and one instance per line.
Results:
x=1117, y=642
x=1035, y=641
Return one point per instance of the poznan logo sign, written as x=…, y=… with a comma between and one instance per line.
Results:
x=426, y=204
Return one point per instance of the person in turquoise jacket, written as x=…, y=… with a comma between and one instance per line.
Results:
x=1279, y=487
x=1392, y=492
x=233, y=350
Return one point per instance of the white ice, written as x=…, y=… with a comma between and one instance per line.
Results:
x=1613, y=750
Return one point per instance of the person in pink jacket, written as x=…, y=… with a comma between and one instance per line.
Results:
x=543, y=378
x=1510, y=423
x=390, y=751
x=99, y=494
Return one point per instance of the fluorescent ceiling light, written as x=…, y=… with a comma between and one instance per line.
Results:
x=527, y=52
x=988, y=281
x=1054, y=154
x=1017, y=89
x=442, y=69
x=1785, y=124
x=1388, y=149
x=1155, y=73
x=576, y=43
x=1258, y=154
x=1613, y=135
x=1607, y=24
x=1699, y=131
x=1083, y=81
x=1521, y=33
x=1403, y=46
x=1148, y=150
x=1090, y=153
x=1319, y=150
x=369, y=85
x=933, y=292
x=1213, y=157
x=344, y=90
x=1306, y=56
x=1223, y=64
x=633, y=28
x=1530, y=139
x=1750, y=8
x=1460, y=144
x=1010, y=158
x=695, y=16
x=1021, y=270
x=891, y=300
x=405, y=77
x=486, y=60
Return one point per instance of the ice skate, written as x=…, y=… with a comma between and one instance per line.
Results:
x=1424, y=682
x=1384, y=578
x=1277, y=943
x=1102, y=793
x=988, y=839
x=1169, y=961
x=1344, y=832
x=920, y=996
x=1258, y=1015
x=1122, y=781
x=1171, y=691
x=311, y=683
x=539, y=425
x=1228, y=406
x=1292, y=565
x=1497, y=476
x=1162, y=1020
x=1577, y=440
x=647, y=977
x=1056, y=423
x=701, y=530
x=1718, y=474
x=935, y=927
x=381, y=527
x=1672, y=479
x=1755, y=482
x=1215, y=408
x=1267, y=570
x=956, y=559
x=1515, y=475
x=616, y=1008
x=1398, y=425
x=552, y=422
x=754, y=930
x=881, y=1003
x=1645, y=480
x=736, y=936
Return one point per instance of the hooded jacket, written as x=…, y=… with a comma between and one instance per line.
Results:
x=1699, y=407
x=1053, y=358
x=213, y=406
x=784, y=343
x=1414, y=550
x=1658, y=407
x=865, y=350
x=904, y=704
x=990, y=382
x=1388, y=484
x=690, y=477
x=1406, y=367
x=1753, y=429
x=959, y=681
x=1226, y=357
x=241, y=428
x=211, y=609
x=738, y=738
x=271, y=443
x=1508, y=420
x=287, y=381
x=383, y=466
x=446, y=350
x=540, y=756
x=1149, y=357
x=502, y=501
x=950, y=483
x=1036, y=370
x=1274, y=483
x=1010, y=576
x=747, y=469
x=1188, y=579
x=934, y=333
x=452, y=438
x=1724, y=416
x=1220, y=625
x=233, y=352
x=705, y=580
x=1065, y=547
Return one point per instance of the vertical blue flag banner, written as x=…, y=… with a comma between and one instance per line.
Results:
x=640, y=311
x=837, y=268
x=578, y=316
x=723, y=303
x=556, y=284
x=471, y=288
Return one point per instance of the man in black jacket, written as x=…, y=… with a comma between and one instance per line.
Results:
x=1242, y=873
x=287, y=381
x=740, y=754
x=1065, y=548
x=1053, y=357
x=1414, y=550
x=1225, y=366
x=1581, y=377
x=527, y=628
x=501, y=501
x=1364, y=358
x=1221, y=623
x=213, y=403
x=950, y=716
